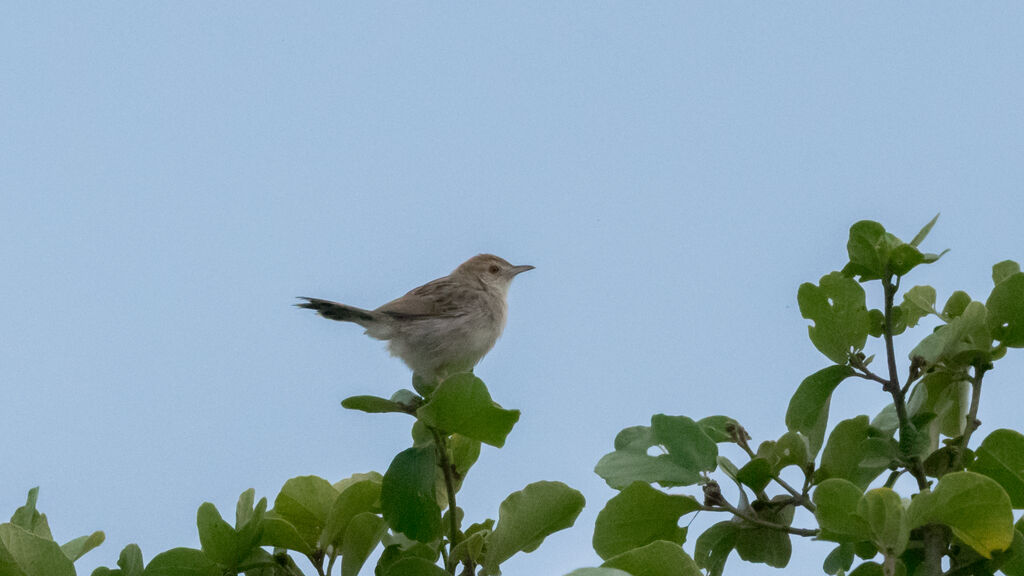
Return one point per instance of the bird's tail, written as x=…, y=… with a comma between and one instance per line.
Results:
x=336, y=311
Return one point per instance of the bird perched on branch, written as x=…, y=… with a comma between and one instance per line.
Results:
x=443, y=327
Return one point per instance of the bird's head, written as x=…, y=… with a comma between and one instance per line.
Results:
x=491, y=270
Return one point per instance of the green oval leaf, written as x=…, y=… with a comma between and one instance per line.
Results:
x=656, y=559
x=526, y=517
x=1001, y=457
x=836, y=503
x=808, y=408
x=408, y=494
x=638, y=516
x=883, y=511
x=462, y=404
x=974, y=506
x=1006, y=311
x=182, y=562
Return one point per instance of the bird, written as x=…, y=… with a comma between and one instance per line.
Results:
x=443, y=327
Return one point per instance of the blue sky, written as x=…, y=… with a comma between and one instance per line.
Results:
x=172, y=175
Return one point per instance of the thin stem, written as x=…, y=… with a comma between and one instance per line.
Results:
x=449, y=484
x=972, y=413
x=893, y=476
x=726, y=507
x=330, y=564
x=798, y=498
x=893, y=385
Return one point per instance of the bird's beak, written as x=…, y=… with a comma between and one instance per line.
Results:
x=516, y=270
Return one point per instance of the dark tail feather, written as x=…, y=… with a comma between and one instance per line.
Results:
x=335, y=311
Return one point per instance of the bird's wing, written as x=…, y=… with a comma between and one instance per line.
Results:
x=433, y=299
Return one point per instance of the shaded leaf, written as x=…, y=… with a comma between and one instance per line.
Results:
x=808, y=408
x=714, y=545
x=1001, y=457
x=851, y=453
x=656, y=559
x=182, y=562
x=883, y=511
x=526, y=517
x=686, y=442
x=974, y=506
x=408, y=494
x=362, y=534
x=836, y=502
x=77, y=548
x=639, y=515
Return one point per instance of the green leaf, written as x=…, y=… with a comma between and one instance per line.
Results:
x=182, y=562
x=408, y=494
x=461, y=404
x=639, y=515
x=943, y=394
x=920, y=236
x=1006, y=311
x=465, y=452
x=415, y=567
x=280, y=533
x=839, y=560
x=635, y=439
x=23, y=553
x=868, y=250
x=373, y=405
x=975, y=507
x=686, y=442
x=764, y=545
x=884, y=513
x=28, y=518
x=1001, y=457
x=77, y=548
x=362, y=534
x=304, y=502
x=918, y=302
x=836, y=502
x=719, y=428
x=356, y=499
x=597, y=572
x=219, y=541
x=714, y=545
x=868, y=569
x=956, y=304
x=620, y=469
x=808, y=409
x=851, y=453
x=1013, y=565
x=655, y=559
x=791, y=449
x=1004, y=270
x=964, y=340
x=756, y=474
x=904, y=258
x=130, y=561
x=837, y=308
x=526, y=517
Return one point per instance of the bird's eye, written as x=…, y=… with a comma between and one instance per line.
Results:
x=494, y=269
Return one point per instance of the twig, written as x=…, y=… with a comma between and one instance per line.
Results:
x=798, y=498
x=972, y=413
x=449, y=484
x=898, y=397
x=724, y=506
